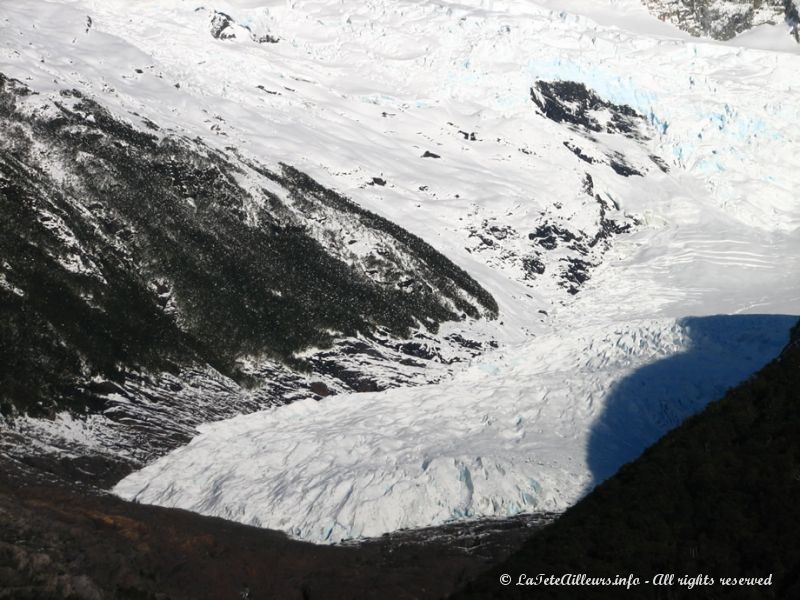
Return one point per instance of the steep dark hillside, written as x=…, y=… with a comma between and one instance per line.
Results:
x=719, y=496
x=57, y=543
x=128, y=249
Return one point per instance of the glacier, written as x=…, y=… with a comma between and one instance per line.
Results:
x=696, y=296
x=509, y=435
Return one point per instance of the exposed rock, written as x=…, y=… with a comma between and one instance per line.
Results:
x=723, y=19
x=548, y=236
x=533, y=265
x=573, y=103
x=222, y=26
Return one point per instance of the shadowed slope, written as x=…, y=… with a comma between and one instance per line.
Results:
x=722, y=351
x=720, y=495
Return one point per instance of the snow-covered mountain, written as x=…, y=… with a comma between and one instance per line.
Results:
x=143, y=281
x=509, y=223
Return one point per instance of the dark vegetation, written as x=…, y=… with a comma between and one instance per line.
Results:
x=443, y=275
x=720, y=495
x=147, y=254
x=61, y=543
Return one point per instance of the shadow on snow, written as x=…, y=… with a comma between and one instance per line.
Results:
x=723, y=351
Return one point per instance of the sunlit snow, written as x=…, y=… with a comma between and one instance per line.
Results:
x=356, y=90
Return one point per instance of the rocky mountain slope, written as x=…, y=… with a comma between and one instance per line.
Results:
x=144, y=282
x=725, y=19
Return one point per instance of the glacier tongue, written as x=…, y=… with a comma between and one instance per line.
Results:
x=529, y=429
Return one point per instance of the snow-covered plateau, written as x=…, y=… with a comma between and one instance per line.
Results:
x=627, y=193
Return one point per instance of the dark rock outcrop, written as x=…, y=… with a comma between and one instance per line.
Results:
x=724, y=19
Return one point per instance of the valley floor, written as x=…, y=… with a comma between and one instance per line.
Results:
x=59, y=542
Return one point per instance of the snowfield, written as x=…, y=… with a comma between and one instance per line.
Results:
x=434, y=99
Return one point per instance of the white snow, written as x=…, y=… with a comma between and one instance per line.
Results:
x=362, y=90
x=524, y=430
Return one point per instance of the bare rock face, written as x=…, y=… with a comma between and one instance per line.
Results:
x=724, y=19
